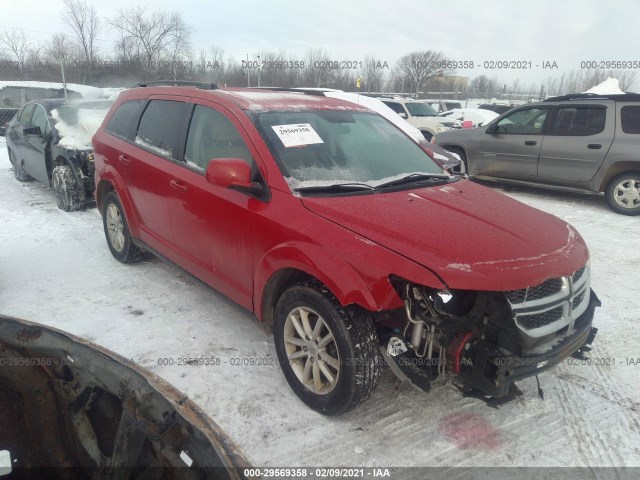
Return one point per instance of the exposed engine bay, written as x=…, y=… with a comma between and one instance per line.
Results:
x=485, y=341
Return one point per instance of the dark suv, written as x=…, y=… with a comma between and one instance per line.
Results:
x=344, y=237
x=585, y=141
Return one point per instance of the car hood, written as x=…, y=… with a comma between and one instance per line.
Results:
x=470, y=236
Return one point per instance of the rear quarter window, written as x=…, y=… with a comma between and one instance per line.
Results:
x=120, y=123
x=630, y=119
x=160, y=126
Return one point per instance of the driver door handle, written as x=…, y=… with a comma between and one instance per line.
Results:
x=530, y=142
x=124, y=159
x=178, y=185
x=594, y=146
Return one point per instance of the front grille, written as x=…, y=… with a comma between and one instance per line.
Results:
x=551, y=306
x=546, y=289
x=540, y=319
x=578, y=275
x=577, y=300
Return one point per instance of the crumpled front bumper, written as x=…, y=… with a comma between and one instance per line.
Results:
x=492, y=372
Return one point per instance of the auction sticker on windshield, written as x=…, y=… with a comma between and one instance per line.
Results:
x=297, y=135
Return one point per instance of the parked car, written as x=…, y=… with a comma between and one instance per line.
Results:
x=339, y=233
x=443, y=105
x=499, y=108
x=50, y=141
x=476, y=116
x=584, y=141
x=421, y=115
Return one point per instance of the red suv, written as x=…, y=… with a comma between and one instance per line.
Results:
x=343, y=236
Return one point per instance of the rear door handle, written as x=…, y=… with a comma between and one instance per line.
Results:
x=124, y=159
x=178, y=185
x=530, y=142
x=594, y=146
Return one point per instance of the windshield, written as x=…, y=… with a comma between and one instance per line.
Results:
x=326, y=147
x=419, y=109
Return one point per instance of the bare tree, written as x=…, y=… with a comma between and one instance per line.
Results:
x=85, y=24
x=372, y=74
x=17, y=45
x=151, y=36
x=418, y=67
x=59, y=50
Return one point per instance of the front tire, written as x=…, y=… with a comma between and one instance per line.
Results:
x=623, y=193
x=328, y=353
x=18, y=169
x=116, y=231
x=463, y=156
x=69, y=195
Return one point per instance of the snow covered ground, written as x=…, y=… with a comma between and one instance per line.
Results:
x=55, y=268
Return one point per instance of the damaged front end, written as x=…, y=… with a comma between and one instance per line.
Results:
x=72, y=405
x=485, y=341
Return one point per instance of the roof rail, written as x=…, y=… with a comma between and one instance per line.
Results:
x=585, y=96
x=179, y=83
x=306, y=91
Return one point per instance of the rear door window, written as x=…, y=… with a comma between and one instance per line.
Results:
x=630, y=119
x=120, y=123
x=578, y=121
x=396, y=107
x=159, y=127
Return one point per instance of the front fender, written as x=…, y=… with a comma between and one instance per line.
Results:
x=340, y=277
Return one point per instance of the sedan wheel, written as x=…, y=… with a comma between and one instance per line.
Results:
x=18, y=169
x=69, y=195
x=623, y=193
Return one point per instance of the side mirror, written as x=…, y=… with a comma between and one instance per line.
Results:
x=403, y=115
x=492, y=129
x=233, y=173
x=32, y=131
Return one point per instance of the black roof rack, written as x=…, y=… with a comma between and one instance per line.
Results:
x=629, y=97
x=179, y=83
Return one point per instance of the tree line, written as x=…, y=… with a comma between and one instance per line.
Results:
x=154, y=44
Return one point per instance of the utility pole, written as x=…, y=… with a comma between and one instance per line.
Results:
x=248, y=72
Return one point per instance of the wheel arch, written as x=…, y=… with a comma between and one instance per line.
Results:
x=616, y=169
x=289, y=264
x=109, y=183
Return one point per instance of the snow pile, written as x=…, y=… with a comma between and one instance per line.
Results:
x=475, y=115
x=78, y=136
x=611, y=86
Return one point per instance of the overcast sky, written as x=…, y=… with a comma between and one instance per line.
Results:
x=566, y=31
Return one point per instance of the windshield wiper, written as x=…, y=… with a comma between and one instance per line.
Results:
x=414, y=177
x=336, y=188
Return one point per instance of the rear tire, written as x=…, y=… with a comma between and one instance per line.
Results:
x=18, y=169
x=116, y=231
x=328, y=353
x=69, y=195
x=623, y=193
